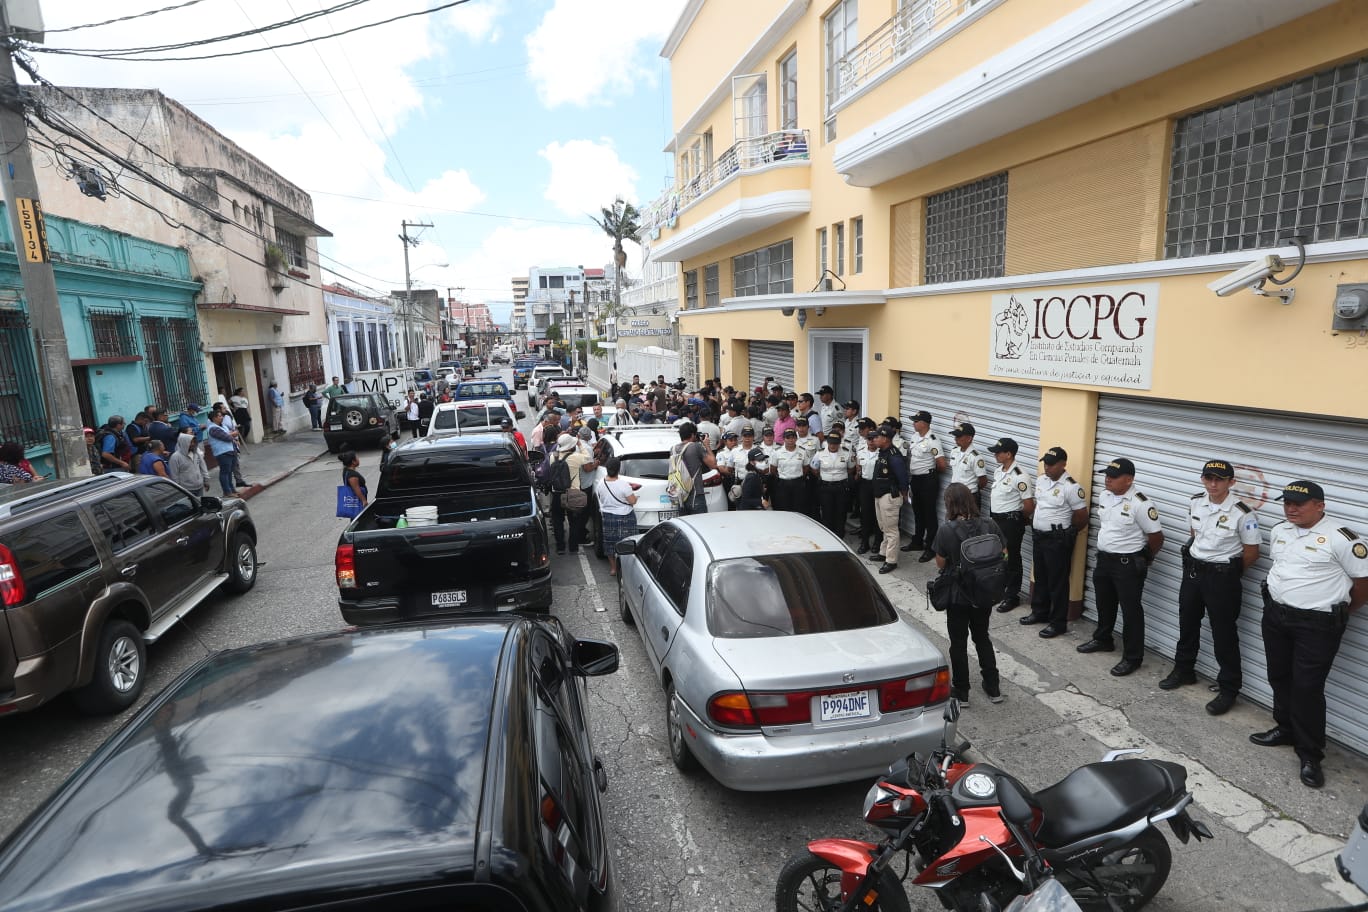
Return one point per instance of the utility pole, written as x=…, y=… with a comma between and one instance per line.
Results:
x=408, y=285
x=570, y=326
x=35, y=271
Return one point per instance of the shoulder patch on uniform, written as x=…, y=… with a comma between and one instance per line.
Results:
x=1241, y=506
x=1153, y=513
x=1081, y=494
x=1199, y=495
x=1016, y=469
x=1348, y=533
x=1139, y=496
x=1021, y=486
x=1360, y=550
x=980, y=463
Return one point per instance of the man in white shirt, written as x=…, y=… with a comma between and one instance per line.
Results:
x=1010, y=505
x=1061, y=513
x=926, y=459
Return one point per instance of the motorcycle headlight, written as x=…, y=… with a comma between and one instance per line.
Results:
x=873, y=797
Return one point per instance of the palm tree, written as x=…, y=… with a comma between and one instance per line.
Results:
x=620, y=222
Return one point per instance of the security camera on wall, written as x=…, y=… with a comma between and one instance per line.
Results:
x=1248, y=276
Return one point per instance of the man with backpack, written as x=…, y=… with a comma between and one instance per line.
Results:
x=687, y=462
x=970, y=547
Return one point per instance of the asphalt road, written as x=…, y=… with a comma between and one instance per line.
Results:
x=681, y=842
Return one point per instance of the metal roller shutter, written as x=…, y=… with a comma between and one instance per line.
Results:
x=771, y=359
x=994, y=409
x=1169, y=441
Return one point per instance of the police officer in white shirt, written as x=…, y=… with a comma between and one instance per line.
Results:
x=1061, y=513
x=789, y=487
x=1128, y=537
x=809, y=443
x=768, y=444
x=1223, y=544
x=1319, y=575
x=851, y=418
x=832, y=469
x=866, y=455
x=966, y=463
x=1011, y=504
x=926, y=459
x=741, y=460
x=829, y=411
x=726, y=467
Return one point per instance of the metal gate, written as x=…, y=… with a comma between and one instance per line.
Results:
x=771, y=359
x=994, y=409
x=1169, y=441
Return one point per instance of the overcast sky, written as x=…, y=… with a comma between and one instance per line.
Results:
x=532, y=113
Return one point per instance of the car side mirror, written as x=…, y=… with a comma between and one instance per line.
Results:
x=520, y=414
x=626, y=546
x=952, y=710
x=592, y=658
x=211, y=504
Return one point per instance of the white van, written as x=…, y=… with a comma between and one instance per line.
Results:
x=393, y=384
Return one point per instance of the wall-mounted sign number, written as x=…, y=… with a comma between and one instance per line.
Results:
x=32, y=231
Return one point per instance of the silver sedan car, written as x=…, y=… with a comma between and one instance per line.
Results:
x=783, y=663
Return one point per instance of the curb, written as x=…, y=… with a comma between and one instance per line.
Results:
x=256, y=489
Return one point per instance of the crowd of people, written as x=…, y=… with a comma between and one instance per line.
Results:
x=180, y=448
x=780, y=449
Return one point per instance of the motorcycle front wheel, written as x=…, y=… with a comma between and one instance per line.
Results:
x=812, y=884
x=1131, y=876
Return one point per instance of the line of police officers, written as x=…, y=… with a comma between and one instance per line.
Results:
x=1319, y=573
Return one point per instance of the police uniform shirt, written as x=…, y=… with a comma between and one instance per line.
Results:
x=788, y=464
x=1220, y=531
x=1056, y=501
x=1011, y=487
x=922, y=453
x=851, y=439
x=865, y=457
x=831, y=413
x=727, y=456
x=1125, y=521
x=1314, y=568
x=808, y=445
x=770, y=449
x=831, y=466
x=966, y=466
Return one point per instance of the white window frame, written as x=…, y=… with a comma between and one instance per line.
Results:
x=838, y=247
x=840, y=29
x=821, y=252
x=788, y=91
x=857, y=245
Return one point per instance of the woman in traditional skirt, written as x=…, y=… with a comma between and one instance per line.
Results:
x=616, y=502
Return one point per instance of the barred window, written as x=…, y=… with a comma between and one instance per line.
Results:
x=1288, y=161
x=360, y=347
x=344, y=350
x=385, y=361
x=966, y=231
x=112, y=334
x=22, y=416
x=712, y=292
x=376, y=363
x=768, y=270
x=305, y=366
x=171, y=354
x=691, y=289
x=293, y=246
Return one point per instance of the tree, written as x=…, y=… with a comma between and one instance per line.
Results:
x=621, y=223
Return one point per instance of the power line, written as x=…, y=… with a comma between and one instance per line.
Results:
x=427, y=208
x=164, y=9
x=126, y=53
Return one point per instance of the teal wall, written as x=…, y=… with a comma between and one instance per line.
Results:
x=104, y=270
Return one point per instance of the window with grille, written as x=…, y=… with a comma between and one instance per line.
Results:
x=691, y=289
x=712, y=291
x=305, y=366
x=344, y=350
x=111, y=334
x=22, y=416
x=361, y=347
x=857, y=244
x=385, y=361
x=788, y=92
x=966, y=231
x=171, y=355
x=768, y=270
x=1288, y=161
x=374, y=345
x=293, y=247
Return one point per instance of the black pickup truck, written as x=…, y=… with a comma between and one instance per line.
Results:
x=454, y=527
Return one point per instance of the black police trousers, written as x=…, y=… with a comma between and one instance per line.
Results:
x=1119, y=580
x=1013, y=527
x=924, y=490
x=869, y=520
x=789, y=494
x=1300, y=647
x=1051, y=553
x=831, y=501
x=1212, y=590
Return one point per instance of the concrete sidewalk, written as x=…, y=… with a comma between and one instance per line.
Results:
x=271, y=461
x=1064, y=708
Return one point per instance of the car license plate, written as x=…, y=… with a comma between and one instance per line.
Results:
x=854, y=705
x=334, y=427
x=666, y=514
x=448, y=599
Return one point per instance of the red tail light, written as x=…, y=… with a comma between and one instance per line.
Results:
x=11, y=580
x=732, y=710
x=345, y=561
x=909, y=693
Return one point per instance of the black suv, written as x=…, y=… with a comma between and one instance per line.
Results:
x=394, y=769
x=92, y=570
x=356, y=419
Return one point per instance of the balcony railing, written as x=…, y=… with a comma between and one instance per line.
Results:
x=902, y=37
x=746, y=155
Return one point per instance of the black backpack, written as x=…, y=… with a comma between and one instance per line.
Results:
x=560, y=475
x=981, y=574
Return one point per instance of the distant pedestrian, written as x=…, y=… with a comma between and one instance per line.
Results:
x=187, y=467
x=161, y=429
x=242, y=414
x=153, y=462
x=93, y=452
x=616, y=502
x=11, y=454
x=277, y=399
x=335, y=389
x=351, y=477
x=224, y=450
x=964, y=619
x=313, y=401
x=188, y=420
x=411, y=414
x=116, y=453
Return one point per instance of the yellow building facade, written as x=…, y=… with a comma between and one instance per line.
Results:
x=1014, y=212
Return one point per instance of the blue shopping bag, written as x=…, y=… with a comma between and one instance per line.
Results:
x=348, y=504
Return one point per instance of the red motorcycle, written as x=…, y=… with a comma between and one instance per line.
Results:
x=1094, y=831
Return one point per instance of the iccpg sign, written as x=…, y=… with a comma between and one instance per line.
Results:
x=32, y=230
x=1090, y=336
